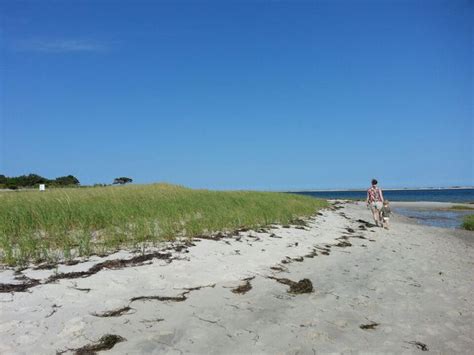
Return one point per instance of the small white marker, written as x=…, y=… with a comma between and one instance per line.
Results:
x=42, y=187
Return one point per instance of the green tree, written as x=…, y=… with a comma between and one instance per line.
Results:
x=122, y=180
x=66, y=180
x=27, y=180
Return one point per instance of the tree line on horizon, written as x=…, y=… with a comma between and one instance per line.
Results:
x=34, y=180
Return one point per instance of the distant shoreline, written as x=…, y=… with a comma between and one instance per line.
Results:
x=454, y=195
x=388, y=189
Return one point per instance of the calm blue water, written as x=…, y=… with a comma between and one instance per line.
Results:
x=454, y=195
x=436, y=218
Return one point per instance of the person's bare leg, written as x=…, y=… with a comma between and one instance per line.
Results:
x=376, y=215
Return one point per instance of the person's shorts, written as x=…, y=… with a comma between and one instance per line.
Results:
x=377, y=205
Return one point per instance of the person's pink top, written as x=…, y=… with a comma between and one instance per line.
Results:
x=374, y=194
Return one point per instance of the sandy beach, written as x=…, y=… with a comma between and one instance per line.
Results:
x=403, y=290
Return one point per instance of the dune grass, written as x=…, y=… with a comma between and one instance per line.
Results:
x=64, y=223
x=461, y=207
x=468, y=222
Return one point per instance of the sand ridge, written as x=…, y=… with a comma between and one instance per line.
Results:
x=408, y=289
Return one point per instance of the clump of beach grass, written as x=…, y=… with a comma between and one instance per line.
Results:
x=65, y=223
x=462, y=207
x=468, y=222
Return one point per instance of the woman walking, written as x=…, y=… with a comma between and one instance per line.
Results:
x=375, y=202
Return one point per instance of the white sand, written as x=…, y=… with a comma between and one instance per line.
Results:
x=415, y=281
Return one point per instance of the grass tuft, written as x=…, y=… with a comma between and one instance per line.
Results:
x=66, y=223
x=468, y=222
x=462, y=208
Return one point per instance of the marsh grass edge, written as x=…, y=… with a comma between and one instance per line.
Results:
x=67, y=223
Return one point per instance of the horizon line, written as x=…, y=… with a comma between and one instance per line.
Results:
x=384, y=189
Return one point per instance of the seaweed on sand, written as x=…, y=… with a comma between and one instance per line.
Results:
x=366, y=224
x=371, y=325
x=419, y=345
x=110, y=264
x=302, y=286
x=343, y=244
x=114, y=313
x=244, y=288
x=106, y=342
x=23, y=287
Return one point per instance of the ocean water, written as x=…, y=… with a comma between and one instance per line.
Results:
x=430, y=217
x=445, y=195
x=435, y=218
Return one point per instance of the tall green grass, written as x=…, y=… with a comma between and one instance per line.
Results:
x=37, y=226
x=468, y=222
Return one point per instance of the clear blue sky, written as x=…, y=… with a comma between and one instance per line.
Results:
x=239, y=94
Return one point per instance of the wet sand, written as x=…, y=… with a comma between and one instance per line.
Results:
x=366, y=289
